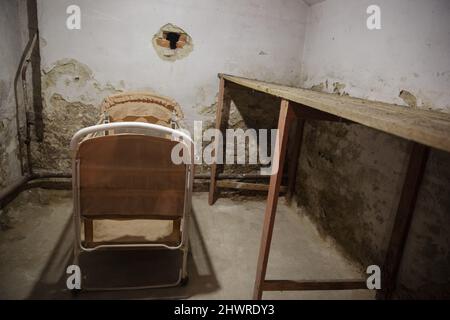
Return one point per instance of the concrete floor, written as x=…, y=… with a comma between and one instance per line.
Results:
x=36, y=236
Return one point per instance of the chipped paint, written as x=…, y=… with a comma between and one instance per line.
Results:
x=71, y=97
x=318, y=87
x=408, y=98
x=338, y=88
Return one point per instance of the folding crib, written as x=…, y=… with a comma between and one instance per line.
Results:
x=122, y=170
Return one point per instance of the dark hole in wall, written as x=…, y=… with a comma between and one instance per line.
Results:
x=173, y=38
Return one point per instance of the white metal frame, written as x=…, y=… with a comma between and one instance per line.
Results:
x=178, y=135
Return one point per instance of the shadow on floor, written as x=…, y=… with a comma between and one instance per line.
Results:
x=127, y=268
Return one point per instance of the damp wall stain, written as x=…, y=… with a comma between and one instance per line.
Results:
x=339, y=184
x=349, y=182
x=71, y=98
x=425, y=269
x=9, y=145
x=248, y=110
x=338, y=88
x=318, y=87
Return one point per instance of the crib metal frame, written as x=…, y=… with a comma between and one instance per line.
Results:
x=183, y=245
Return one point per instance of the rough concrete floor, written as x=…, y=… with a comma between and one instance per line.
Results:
x=36, y=237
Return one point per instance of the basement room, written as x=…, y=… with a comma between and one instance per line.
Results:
x=225, y=150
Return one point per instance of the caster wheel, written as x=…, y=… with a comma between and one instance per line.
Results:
x=184, y=281
x=75, y=292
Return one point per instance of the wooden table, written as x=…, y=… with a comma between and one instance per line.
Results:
x=423, y=128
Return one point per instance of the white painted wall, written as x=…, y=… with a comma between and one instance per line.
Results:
x=253, y=38
x=411, y=51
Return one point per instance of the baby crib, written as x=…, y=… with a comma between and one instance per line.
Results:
x=122, y=170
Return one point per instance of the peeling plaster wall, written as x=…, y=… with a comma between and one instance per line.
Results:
x=11, y=19
x=71, y=98
x=350, y=177
x=113, y=51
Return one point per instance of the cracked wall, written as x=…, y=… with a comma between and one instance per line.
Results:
x=350, y=177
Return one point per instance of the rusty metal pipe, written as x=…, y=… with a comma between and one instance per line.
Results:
x=21, y=74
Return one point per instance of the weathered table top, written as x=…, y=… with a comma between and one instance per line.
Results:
x=430, y=128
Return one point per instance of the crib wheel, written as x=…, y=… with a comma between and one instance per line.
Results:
x=75, y=292
x=184, y=281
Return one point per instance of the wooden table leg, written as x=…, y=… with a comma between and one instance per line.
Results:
x=416, y=168
x=294, y=158
x=284, y=122
x=222, y=113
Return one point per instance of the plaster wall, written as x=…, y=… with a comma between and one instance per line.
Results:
x=113, y=52
x=12, y=22
x=350, y=177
